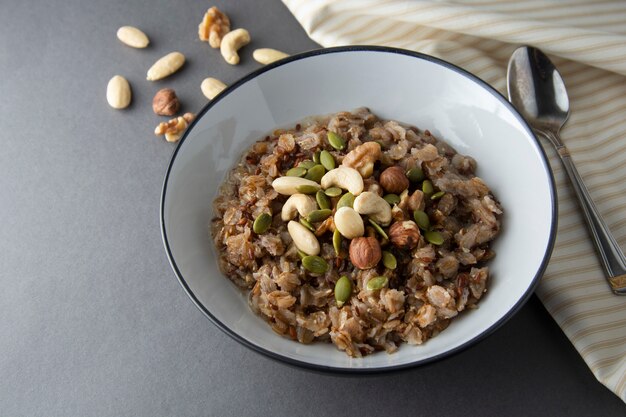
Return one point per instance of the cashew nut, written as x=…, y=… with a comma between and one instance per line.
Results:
x=300, y=203
x=231, y=42
x=303, y=238
x=343, y=177
x=349, y=222
x=362, y=158
x=211, y=87
x=374, y=206
x=289, y=185
x=267, y=55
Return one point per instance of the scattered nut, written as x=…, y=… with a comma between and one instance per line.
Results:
x=118, y=92
x=297, y=203
x=213, y=27
x=362, y=158
x=174, y=128
x=211, y=87
x=404, y=235
x=343, y=177
x=166, y=66
x=132, y=37
x=267, y=55
x=349, y=222
x=365, y=252
x=165, y=102
x=231, y=43
x=374, y=206
x=393, y=180
x=290, y=185
x=303, y=238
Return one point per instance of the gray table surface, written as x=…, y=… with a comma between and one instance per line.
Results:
x=92, y=319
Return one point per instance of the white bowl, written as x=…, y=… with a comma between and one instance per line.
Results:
x=395, y=84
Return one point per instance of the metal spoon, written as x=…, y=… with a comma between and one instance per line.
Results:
x=538, y=92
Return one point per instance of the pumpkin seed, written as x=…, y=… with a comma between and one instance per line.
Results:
x=343, y=290
x=327, y=160
x=337, y=238
x=437, y=195
x=307, y=224
x=378, y=229
x=315, y=173
x=392, y=199
x=307, y=189
x=389, y=260
x=377, y=283
x=296, y=172
x=262, y=223
x=322, y=200
x=333, y=192
x=346, y=200
x=314, y=264
x=434, y=237
x=336, y=141
x=427, y=187
x=307, y=164
x=415, y=174
x=316, y=157
x=319, y=215
x=422, y=220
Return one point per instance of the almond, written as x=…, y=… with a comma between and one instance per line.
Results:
x=133, y=37
x=166, y=66
x=118, y=92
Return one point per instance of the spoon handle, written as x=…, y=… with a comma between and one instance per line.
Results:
x=611, y=255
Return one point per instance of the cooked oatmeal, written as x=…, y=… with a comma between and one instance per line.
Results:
x=355, y=230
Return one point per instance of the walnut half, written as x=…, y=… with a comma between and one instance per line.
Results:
x=174, y=128
x=362, y=158
x=213, y=27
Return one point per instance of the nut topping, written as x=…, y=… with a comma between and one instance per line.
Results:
x=365, y=252
x=404, y=235
x=393, y=180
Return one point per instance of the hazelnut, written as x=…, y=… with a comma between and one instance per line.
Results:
x=404, y=234
x=165, y=102
x=393, y=180
x=365, y=252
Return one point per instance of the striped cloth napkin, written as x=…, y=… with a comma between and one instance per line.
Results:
x=587, y=42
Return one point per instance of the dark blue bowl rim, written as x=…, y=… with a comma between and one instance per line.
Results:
x=377, y=370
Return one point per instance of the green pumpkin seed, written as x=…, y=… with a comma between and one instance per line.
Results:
x=336, y=141
x=415, y=174
x=322, y=200
x=262, y=223
x=296, y=172
x=343, y=290
x=434, y=237
x=314, y=264
x=316, y=173
x=316, y=157
x=378, y=229
x=319, y=215
x=307, y=164
x=392, y=199
x=307, y=189
x=437, y=195
x=422, y=220
x=346, y=200
x=427, y=187
x=327, y=160
x=337, y=238
x=301, y=254
x=307, y=224
x=377, y=283
x=389, y=260
x=333, y=192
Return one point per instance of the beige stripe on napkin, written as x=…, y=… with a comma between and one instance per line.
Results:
x=587, y=41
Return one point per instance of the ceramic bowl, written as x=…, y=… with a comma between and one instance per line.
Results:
x=395, y=84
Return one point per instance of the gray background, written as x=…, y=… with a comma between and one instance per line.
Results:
x=93, y=321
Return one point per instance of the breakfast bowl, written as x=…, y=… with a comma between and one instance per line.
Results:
x=422, y=91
